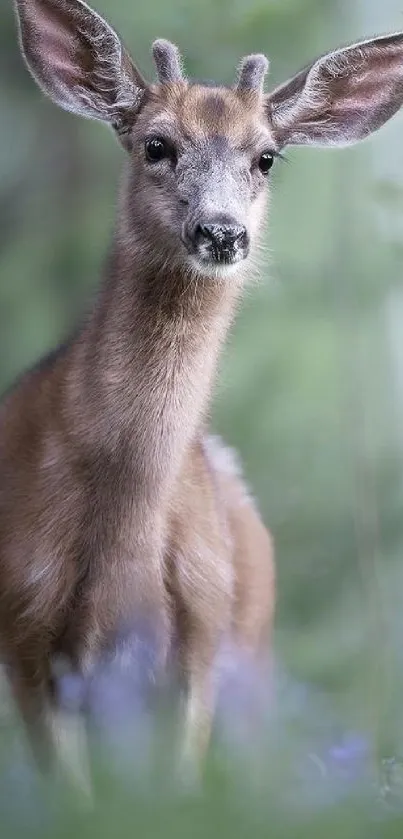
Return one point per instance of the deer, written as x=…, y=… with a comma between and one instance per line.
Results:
x=117, y=505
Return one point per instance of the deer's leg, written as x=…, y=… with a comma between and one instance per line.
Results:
x=246, y=679
x=199, y=564
x=205, y=595
x=254, y=572
x=199, y=654
x=252, y=553
x=56, y=739
x=244, y=670
x=29, y=682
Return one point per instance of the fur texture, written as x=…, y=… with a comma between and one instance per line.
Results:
x=115, y=507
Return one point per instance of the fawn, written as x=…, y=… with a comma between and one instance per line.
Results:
x=115, y=503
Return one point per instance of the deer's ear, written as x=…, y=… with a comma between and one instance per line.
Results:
x=78, y=59
x=342, y=97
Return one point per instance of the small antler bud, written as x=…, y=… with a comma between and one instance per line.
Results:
x=252, y=71
x=167, y=61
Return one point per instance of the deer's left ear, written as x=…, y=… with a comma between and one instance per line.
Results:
x=342, y=97
x=79, y=61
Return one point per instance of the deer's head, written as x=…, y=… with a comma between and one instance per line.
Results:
x=200, y=155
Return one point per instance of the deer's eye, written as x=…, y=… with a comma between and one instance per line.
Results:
x=156, y=149
x=266, y=161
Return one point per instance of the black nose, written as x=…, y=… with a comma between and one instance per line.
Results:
x=222, y=237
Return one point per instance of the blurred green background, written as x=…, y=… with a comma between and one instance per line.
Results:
x=311, y=386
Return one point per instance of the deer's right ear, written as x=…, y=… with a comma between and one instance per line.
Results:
x=79, y=61
x=342, y=97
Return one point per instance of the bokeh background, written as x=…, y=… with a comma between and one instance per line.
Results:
x=310, y=393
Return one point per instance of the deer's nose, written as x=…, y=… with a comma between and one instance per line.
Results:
x=222, y=237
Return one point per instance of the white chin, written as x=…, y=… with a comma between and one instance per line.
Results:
x=214, y=270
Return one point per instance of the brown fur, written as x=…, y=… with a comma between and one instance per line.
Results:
x=110, y=507
x=105, y=489
x=114, y=503
x=196, y=111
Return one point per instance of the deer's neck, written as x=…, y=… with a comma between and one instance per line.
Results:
x=150, y=357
